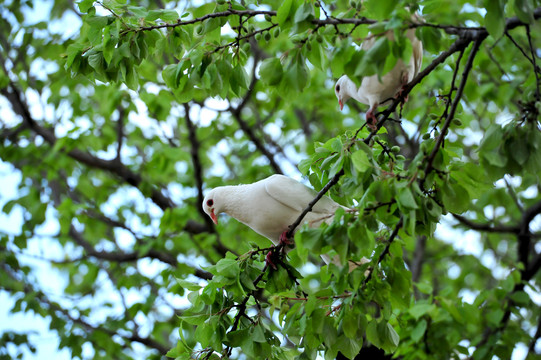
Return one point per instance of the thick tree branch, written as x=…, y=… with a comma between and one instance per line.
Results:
x=486, y=227
x=458, y=45
x=524, y=234
x=237, y=114
x=67, y=314
x=112, y=166
x=83, y=157
x=418, y=258
x=527, y=273
x=537, y=336
x=329, y=20
x=120, y=257
x=120, y=132
x=196, y=162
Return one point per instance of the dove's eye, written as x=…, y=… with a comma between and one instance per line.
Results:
x=337, y=87
x=210, y=202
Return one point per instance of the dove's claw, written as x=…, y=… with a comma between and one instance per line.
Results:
x=371, y=120
x=401, y=91
x=268, y=260
x=284, y=239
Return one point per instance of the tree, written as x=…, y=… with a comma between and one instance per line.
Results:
x=117, y=131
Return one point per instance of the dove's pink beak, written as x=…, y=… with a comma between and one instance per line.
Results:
x=341, y=104
x=213, y=217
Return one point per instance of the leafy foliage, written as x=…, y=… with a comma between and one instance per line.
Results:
x=117, y=128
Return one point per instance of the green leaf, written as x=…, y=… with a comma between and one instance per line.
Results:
x=283, y=12
x=349, y=347
x=73, y=51
x=360, y=160
x=317, y=56
x=298, y=75
x=430, y=37
x=418, y=331
x=382, y=335
x=392, y=338
x=188, y=285
x=520, y=298
x=238, y=337
x=304, y=166
x=303, y=12
x=195, y=319
x=406, y=199
x=372, y=334
x=419, y=310
x=169, y=75
x=96, y=61
x=382, y=9
x=169, y=15
x=494, y=317
x=271, y=71
x=257, y=334
x=350, y=326
x=494, y=18
x=524, y=10
x=228, y=268
x=85, y=5
x=375, y=58
x=455, y=198
x=520, y=151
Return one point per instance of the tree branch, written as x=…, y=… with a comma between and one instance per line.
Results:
x=120, y=257
x=196, y=161
x=458, y=45
x=83, y=157
x=531, y=347
x=535, y=68
x=54, y=307
x=120, y=132
x=112, y=166
x=486, y=227
x=524, y=234
x=418, y=257
x=456, y=100
x=236, y=112
x=397, y=227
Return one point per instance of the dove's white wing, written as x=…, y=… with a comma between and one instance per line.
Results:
x=296, y=195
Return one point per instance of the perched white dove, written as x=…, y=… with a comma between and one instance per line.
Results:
x=374, y=92
x=270, y=205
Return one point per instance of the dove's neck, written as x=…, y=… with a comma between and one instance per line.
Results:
x=237, y=201
x=351, y=90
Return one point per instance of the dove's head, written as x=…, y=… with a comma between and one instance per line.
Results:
x=212, y=205
x=341, y=90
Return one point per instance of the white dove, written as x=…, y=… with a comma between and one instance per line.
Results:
x=374, y=92
x=270, y=205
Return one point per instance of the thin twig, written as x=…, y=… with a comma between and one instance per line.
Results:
x=456, y=100
x=120, y=132
x=537, y=95
x=517, y=45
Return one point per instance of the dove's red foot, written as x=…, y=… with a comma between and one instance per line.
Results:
x=284, y=240
x=268, y=260
x=403, y=88
x=401, y=91
x=371, y=120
